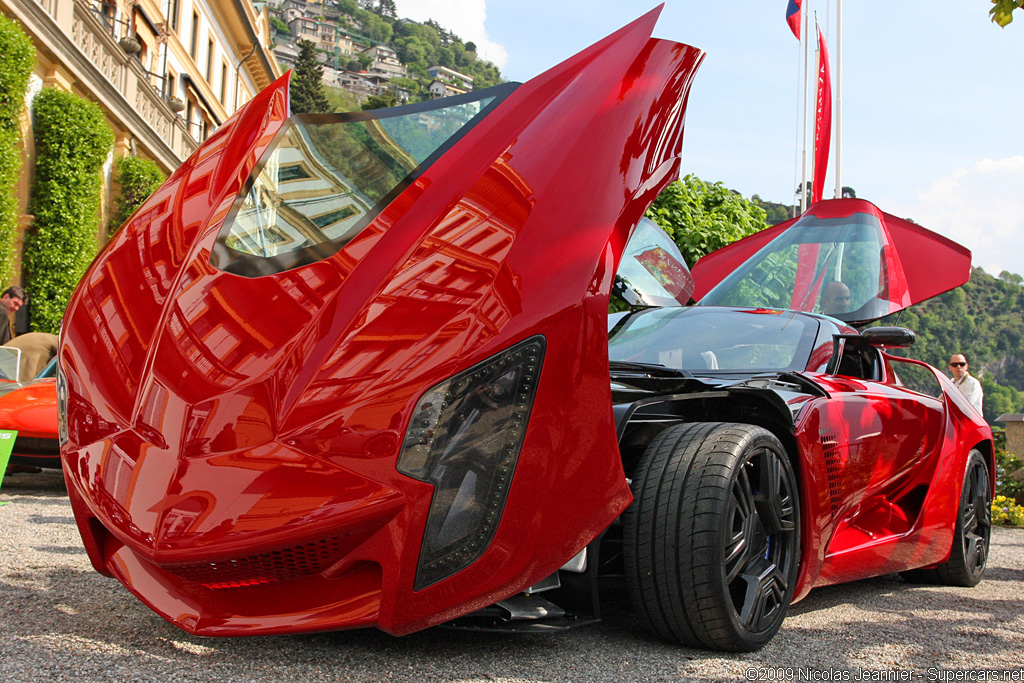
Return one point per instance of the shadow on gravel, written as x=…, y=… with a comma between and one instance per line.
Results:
x=74, y=611
x=22, y=482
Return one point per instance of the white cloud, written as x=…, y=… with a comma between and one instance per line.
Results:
x=981, y=207
x=464, y=18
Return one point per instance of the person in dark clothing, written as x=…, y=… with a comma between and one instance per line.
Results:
x=11, y=300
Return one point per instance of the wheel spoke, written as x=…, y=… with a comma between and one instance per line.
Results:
x=741, y=519
x=774, y=499
x=976, y=551
x=743, y=493
x=970, y=518
x=765, y=594
x=736, y=557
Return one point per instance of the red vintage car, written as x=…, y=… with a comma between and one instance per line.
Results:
x=353, y=370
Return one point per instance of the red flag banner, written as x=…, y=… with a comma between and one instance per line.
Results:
x=793, y=16
x=823, y=120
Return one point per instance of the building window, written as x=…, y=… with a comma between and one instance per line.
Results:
x=224, y=83
x=174, y=15
x=194, y=39
x=209, y=61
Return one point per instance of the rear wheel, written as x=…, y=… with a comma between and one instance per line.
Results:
x=711, y=541
x=969, y=556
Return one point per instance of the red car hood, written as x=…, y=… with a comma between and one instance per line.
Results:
x=231, y=441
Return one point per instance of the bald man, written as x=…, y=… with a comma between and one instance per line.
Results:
x=836, y=298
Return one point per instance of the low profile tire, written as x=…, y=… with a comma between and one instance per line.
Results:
x=712, y=539
x=969, y=556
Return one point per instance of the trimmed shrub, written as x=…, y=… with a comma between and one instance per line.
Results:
x=139, y=178
x=72, y=142
x=16, y=58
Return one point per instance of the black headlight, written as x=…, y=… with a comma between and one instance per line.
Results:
x=464, y=438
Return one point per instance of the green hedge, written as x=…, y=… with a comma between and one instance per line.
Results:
x=72, y=143
x=17, y=56
x=139, y=178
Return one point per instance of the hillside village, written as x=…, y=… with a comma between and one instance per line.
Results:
x=367, y=51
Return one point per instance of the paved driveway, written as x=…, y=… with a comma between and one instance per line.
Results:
x=60, y=621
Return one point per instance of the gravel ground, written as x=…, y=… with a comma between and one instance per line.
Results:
x=61, y=621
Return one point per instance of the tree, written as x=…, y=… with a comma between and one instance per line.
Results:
x=471, y=46
x=382, y=101
x=307, y=88
x=701, y=217
x=280, y=26
x=348, y=6
x=1002, y=10
x=1012, y=278
x=386, y=8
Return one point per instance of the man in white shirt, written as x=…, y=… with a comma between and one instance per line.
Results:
x=970, y=387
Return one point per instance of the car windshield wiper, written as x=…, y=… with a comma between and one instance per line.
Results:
x=648, y=369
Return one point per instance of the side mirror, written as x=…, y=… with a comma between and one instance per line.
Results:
x=889, y=337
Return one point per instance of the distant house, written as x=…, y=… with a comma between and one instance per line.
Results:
x=361, y=84
x=324, y=34
x=385, y=61
x=286, y=55
x=451, y=76
x=440, y=88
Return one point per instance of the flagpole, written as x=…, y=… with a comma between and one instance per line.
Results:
x=839, y=99
x=805, y=37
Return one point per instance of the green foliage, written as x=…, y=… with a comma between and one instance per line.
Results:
x=701, y=217
x=138, y=178
x=1009, y=476
x=382, y=101
x=775, y=213
x=374, y=26
x=72, y=143
x=16, y=58
x=983, y=321
x=1002, y=10
x=341, y=100
x=307, y=88
x=280, y=26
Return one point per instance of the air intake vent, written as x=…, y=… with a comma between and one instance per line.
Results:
x=29, y=445
x=834, y=468
x=271, y=567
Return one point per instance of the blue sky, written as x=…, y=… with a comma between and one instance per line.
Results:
x=933, y=98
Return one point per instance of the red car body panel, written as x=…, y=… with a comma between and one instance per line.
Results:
x=911, y=252
x=881, y=471
x=232, y=440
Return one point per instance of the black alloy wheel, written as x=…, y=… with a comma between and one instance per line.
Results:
x=712, y=540
x=969, y=555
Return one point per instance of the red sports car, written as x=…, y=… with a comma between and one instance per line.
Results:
x=353, y=370
x=31, y=409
